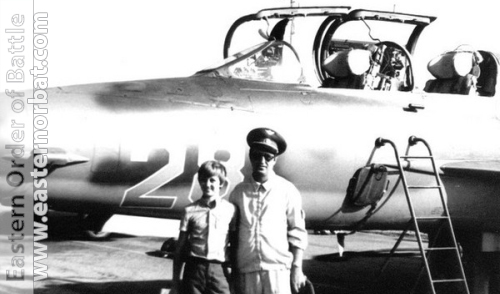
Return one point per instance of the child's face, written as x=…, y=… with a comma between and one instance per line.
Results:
x=210, y=186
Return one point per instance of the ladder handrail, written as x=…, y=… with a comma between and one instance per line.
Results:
x=380, y=142
x=412, y=141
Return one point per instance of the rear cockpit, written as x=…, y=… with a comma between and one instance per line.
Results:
x=463, y=71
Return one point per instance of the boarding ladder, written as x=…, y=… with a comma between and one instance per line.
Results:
x=456, y=283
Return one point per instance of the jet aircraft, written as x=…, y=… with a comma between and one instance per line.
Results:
x=134, y=147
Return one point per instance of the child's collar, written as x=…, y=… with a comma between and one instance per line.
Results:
x=211, y=202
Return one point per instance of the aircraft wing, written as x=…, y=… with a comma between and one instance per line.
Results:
x=470, y=168
x=485, y=169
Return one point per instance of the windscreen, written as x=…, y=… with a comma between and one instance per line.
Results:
x=274, y=61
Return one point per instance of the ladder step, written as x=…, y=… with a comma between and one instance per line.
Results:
x=424, y=187
x=431, y=217
x=441, y=248
x=448, y=281
x=415, y=157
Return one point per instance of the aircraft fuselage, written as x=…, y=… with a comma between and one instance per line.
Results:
x=144, y=141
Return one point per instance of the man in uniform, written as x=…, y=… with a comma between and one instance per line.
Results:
x=271, y=229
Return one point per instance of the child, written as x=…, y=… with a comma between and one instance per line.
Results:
x=205, y=227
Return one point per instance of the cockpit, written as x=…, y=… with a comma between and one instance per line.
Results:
x=351, y=49
x=272, y=61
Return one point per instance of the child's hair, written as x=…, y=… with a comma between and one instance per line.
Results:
x=213, y=168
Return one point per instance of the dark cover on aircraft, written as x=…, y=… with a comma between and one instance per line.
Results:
x=367, y=185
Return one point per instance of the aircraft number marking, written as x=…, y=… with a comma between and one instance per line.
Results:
x=138, y=195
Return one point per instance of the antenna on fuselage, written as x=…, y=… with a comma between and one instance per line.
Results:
x=293, y=3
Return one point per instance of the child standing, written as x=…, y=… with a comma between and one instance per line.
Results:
x=206, y=228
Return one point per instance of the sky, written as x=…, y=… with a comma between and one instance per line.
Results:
x=103, y=41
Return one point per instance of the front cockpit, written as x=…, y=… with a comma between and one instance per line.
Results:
x=272, y=61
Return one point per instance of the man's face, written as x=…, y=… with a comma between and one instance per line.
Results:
x=262, y=163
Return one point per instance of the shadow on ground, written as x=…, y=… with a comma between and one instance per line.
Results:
x=360, y=272
x=143, y=287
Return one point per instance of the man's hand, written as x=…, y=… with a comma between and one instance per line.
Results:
x=227, y=272
x=297, y=279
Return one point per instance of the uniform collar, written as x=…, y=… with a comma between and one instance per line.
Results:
x=267, y=184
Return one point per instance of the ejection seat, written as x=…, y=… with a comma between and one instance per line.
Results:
x=487, y=81
x=347, y=69
x=456, y=72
